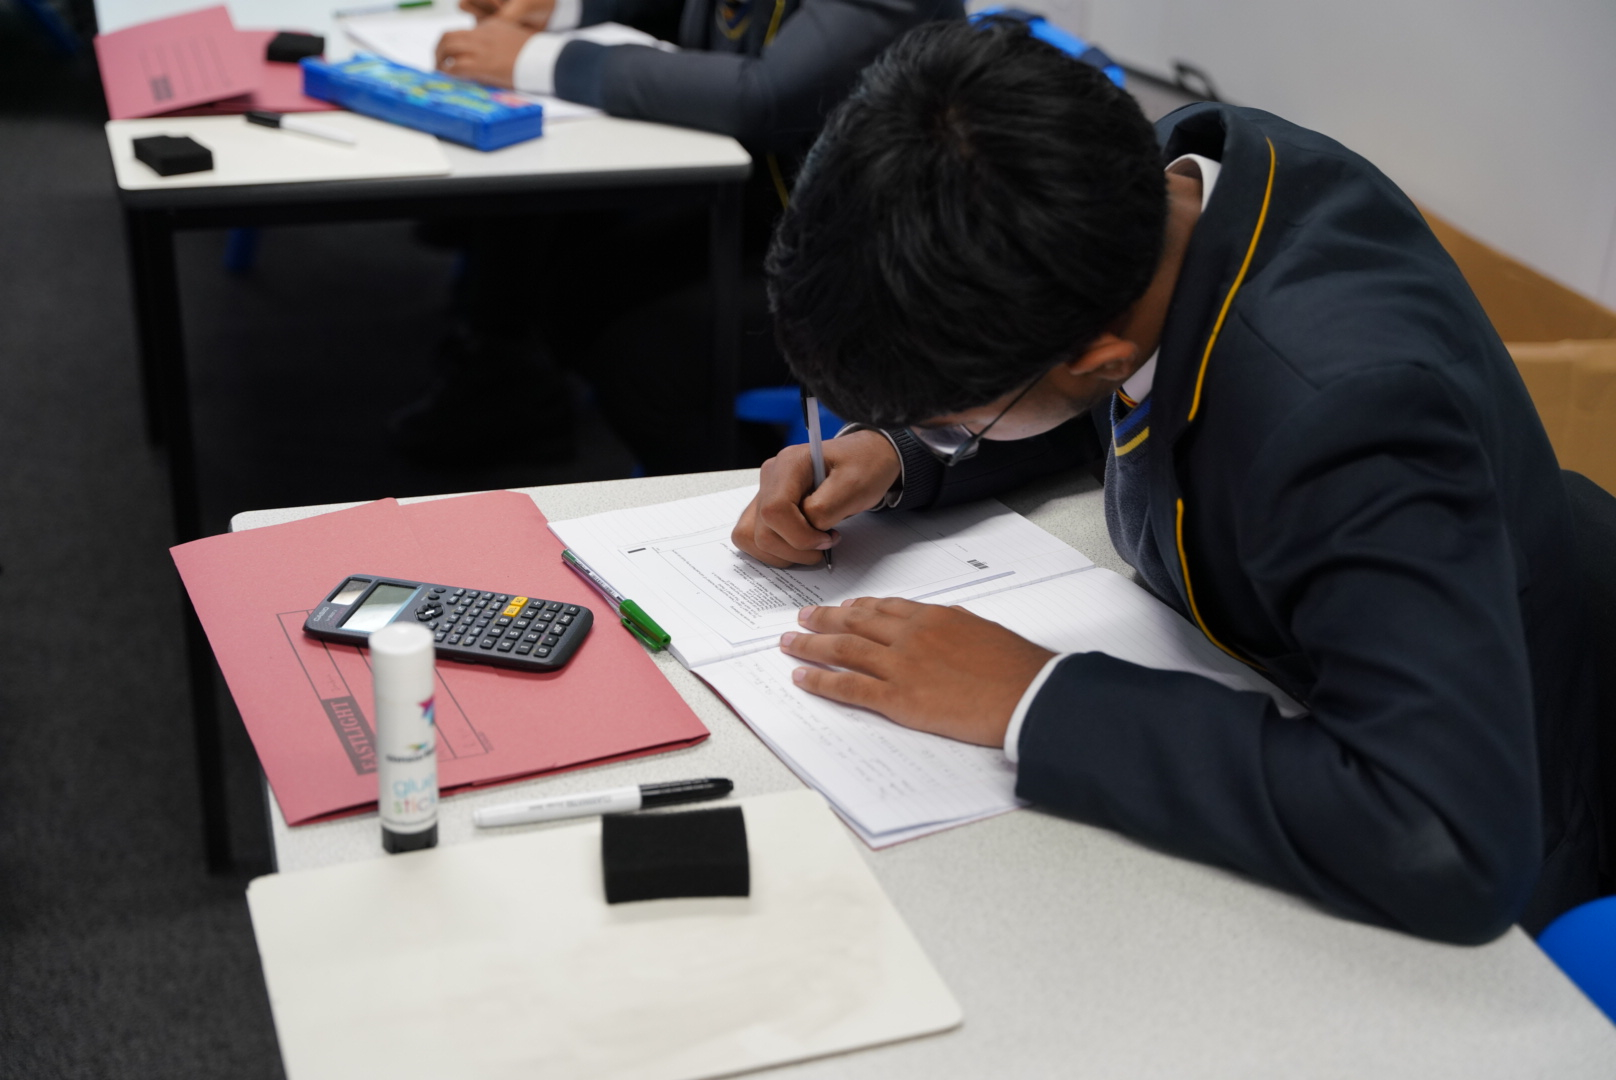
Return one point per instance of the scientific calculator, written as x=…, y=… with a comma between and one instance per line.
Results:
x=470, y=625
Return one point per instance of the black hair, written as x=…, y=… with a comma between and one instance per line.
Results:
x=982, y=206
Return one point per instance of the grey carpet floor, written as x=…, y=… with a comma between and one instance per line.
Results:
x=119, y=955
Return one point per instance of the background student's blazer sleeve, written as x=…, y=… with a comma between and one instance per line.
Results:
x=777, y=100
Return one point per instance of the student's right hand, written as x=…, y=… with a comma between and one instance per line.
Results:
x=533, y=14
x=788, y=523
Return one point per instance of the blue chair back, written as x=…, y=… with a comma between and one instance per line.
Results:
x=782, y=406
x=1583, y=943
x=1067, y=42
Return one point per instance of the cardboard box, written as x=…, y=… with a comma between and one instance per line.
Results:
x=1564, y=344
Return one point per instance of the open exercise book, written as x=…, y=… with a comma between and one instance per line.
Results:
x=726, y=612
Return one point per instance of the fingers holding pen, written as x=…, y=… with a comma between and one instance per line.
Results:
x=754, y=536
x=786, y=522
x=773, y=528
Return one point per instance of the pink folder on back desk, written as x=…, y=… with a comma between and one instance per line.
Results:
x=280, y=86
x=308, y=704
x=167, y=64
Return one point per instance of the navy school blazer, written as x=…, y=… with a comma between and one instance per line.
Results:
x=724, y=79
x=1351, y=492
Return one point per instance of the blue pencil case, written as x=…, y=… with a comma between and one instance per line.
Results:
x=454, y=109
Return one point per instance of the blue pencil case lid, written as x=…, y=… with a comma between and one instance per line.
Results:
x=454, y=109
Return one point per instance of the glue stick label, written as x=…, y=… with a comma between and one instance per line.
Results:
x=407, y=767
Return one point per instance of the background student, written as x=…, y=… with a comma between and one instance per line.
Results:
x=1320, y=453
x=764, y=71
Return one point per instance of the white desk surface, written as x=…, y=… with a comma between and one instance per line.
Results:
x=591, y=147
x=599, y=146
x=603, y=144
x=312, y=16
x=1077, y=953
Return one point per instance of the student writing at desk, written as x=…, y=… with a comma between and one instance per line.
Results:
x=763, y=71
x=1320, y=453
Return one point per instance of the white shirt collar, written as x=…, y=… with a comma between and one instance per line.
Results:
x=1140, y=382
x=1196, y=165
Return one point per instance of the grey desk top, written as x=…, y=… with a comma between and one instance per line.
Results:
x=1076, y=952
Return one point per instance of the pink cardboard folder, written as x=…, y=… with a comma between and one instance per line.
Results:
x=173, y=63
x=280, y=86
x=308, y=704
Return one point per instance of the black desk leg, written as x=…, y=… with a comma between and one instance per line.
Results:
x=164, y=341
x=209, y=745
x=724, y=262
x=163, y=351
x=140, y=284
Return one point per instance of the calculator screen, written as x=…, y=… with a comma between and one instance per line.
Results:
x=382, y=604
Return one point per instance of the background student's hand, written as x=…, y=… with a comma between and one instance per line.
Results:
x=785, y=525
x=533, y=14
x=939, y=669
x=486, y=54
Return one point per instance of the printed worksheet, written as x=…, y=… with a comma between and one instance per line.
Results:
x=677, y=561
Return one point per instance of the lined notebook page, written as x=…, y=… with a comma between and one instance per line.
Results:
x=891, y=783
x=1098, y=611
x=676, y=560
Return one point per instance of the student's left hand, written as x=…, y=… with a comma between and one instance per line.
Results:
x=939, y=669
x=486, y=54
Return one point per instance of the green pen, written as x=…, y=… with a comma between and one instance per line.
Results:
x=633, y=617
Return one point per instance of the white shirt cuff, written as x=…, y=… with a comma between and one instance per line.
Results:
x=534, y=72
x=565, y=15
x=1012, y=734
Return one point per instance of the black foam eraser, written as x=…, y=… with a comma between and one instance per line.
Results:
x=660, y=856
x=288, y=47
x=170, y=155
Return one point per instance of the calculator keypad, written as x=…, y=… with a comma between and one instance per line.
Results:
x=487, y=624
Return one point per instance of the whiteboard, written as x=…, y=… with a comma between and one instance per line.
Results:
x=501, y=958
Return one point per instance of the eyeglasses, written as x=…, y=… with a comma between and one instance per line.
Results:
x=954, y=443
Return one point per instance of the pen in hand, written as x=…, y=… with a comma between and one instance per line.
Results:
x=816, y=448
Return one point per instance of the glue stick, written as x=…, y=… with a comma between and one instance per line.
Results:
x=406, y=736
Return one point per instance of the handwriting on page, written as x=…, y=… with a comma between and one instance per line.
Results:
x=883, y=777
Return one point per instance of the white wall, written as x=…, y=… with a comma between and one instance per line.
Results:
x=1500, y=115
